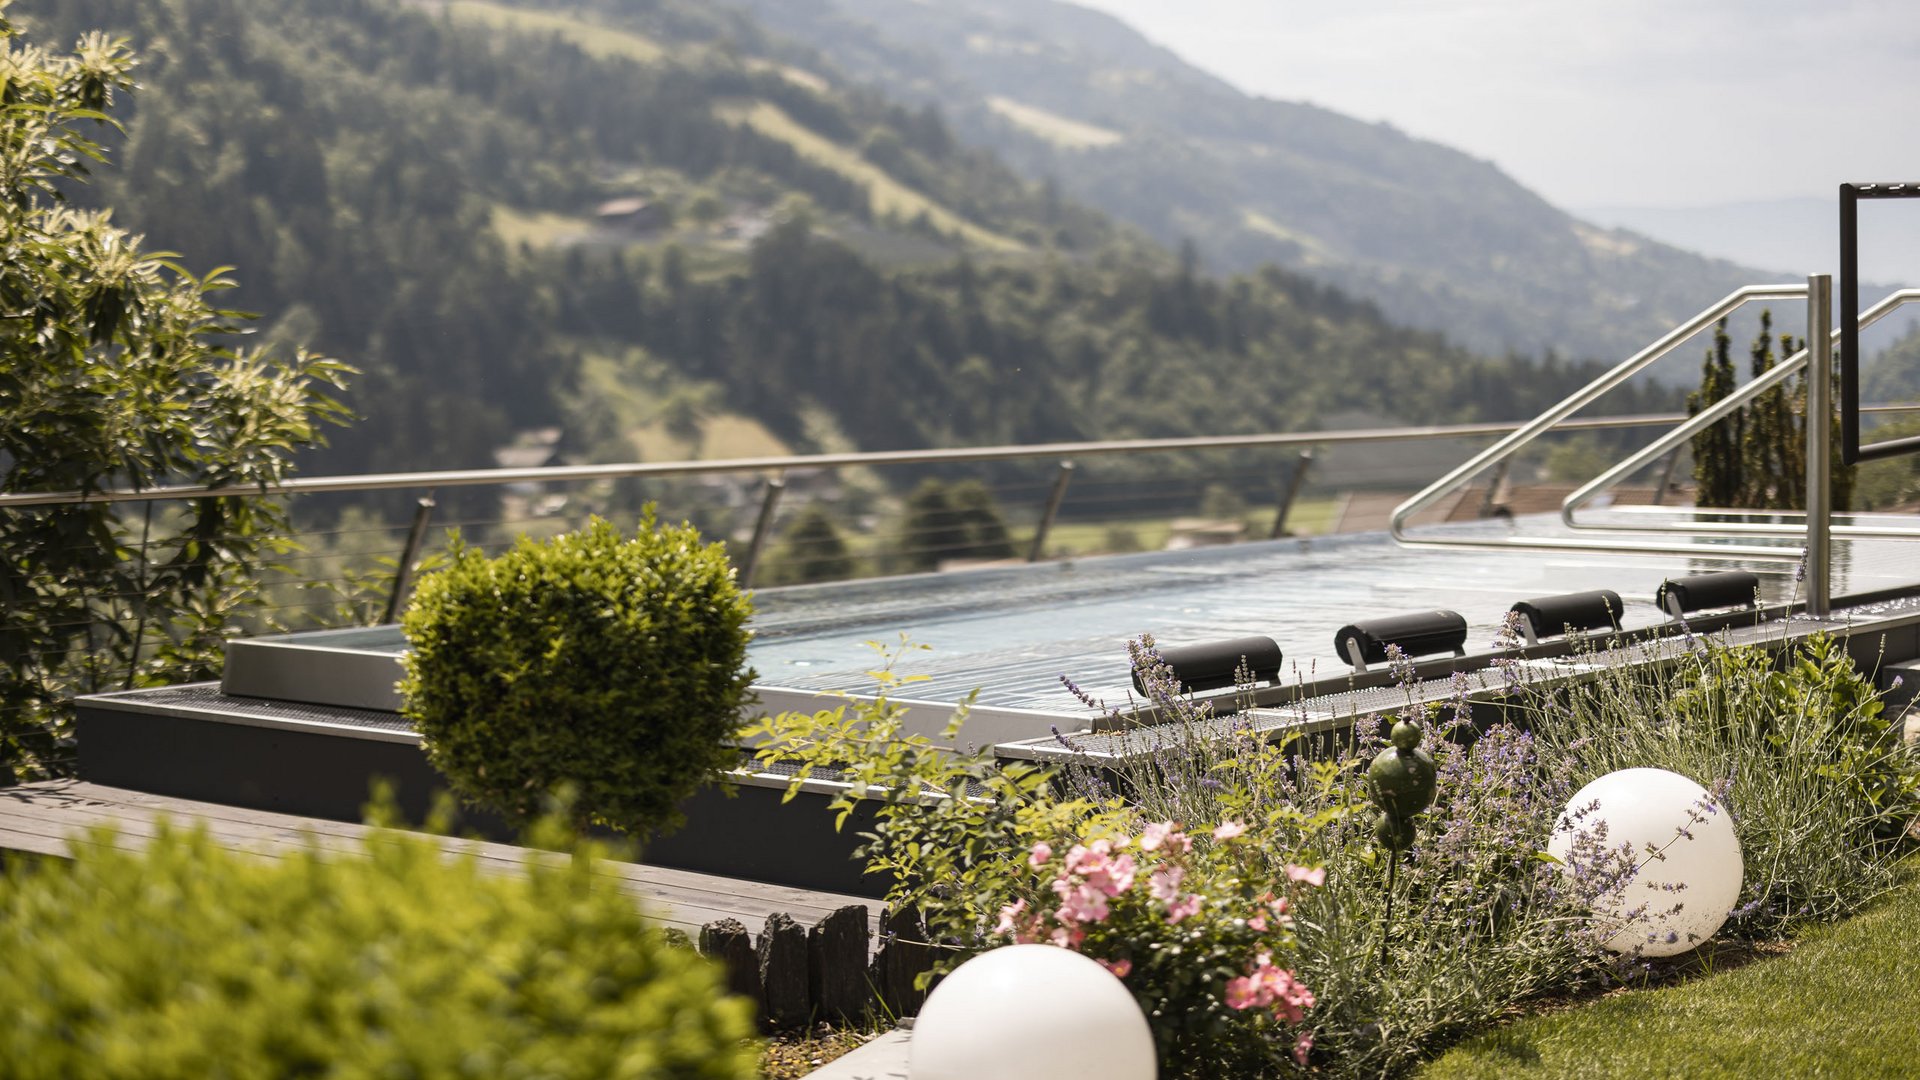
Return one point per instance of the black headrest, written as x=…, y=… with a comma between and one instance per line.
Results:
x=1211, y=665
x=1728, y=588
x=1417, y=635
x=1551, y=615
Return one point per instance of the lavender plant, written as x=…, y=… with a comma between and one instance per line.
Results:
x=1481, y=919
x=1815, y=776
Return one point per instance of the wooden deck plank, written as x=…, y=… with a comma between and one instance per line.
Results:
x=46, y=818
x=57, y=834
x=689, y=907
x=649, y=876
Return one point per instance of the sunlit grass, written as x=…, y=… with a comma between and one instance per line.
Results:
x=1261, y=223
x=1842, y=1003
x=1059, y=130
x=535, y=228
x=890, y=197
x=592, y=38
x=633, y=391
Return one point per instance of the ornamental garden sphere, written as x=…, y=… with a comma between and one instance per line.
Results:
x=1031, y=1012
x=1665, y=852
x=1402, y=780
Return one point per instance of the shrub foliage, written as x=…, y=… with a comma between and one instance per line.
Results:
x=612, y=665
x=116, y=370
x=189, y=961
x=1368, y=971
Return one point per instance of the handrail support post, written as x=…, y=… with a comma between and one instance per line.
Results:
x=1819, y=442
x=762, y=527
x=403, y=575
x=1296, y=479
x=1666, y=477
x=1054, y=498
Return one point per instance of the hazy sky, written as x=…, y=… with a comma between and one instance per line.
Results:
x=1627, y=102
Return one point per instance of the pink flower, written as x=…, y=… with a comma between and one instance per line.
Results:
x=1181, y=909
x=1301, y=1047
x=1042, y=851
x=1280, y=910
x=1068, y=939
x=1242, y=993
x=1115, y=877
x=1121, y=968
x=1228, y=830
x=1315, y=876
x=1164, y=883
x=1080, y=903
x=1257, y=923
x=1008, y=916
x=1268, y=985
x=1292, y=999
x=1156, y=834
x=1087, y=858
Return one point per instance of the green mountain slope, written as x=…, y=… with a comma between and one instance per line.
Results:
x=516, y=215
x=1436, y=237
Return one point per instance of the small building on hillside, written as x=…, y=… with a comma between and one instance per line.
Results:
x=634, y=214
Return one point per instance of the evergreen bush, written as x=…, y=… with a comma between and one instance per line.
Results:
x=187, y=961
x=612, y=665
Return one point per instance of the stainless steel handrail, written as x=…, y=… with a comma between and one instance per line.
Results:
x=563, y=473
x=1555, y=416
x=1646, y=456
x=1705, y=418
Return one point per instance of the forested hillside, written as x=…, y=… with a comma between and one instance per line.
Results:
x=1437, y=237
x=513, y=216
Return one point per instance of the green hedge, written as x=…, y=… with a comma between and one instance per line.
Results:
x=187, y=961
x=613, y=666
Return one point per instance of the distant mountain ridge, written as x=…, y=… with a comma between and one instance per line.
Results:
x=1437, y=237
x=603, y=218
x=1796, y=236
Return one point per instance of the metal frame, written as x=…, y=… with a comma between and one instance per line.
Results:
x=1678, y=437
x=1851, y=452
x=309, y=485
x=1670, y=442
x=1557, y=417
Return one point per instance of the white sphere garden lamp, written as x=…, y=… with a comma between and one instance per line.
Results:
x=1031, y=1012
x=1686, y=856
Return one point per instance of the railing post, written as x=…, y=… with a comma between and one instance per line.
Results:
x=1296, y=479
x=1487, y=501
x=1819, y=441
x=762, y=525
x=1666, y=477
x=402, y=577
x=1054, y=498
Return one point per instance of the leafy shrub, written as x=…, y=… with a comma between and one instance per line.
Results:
x=613, y=665
x=117, y=370
x=1191, y=928
x=1478, y=923
x=1816, y=775
x=188, y=961
x=992, y=853
x=1482, y=919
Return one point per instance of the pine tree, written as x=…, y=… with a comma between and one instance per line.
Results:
x=1716, y=461
x=1756, y=457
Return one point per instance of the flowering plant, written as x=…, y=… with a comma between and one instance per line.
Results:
x=1189, y=924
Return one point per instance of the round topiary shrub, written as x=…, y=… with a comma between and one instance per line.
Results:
x=612, y=665
x=185, y=960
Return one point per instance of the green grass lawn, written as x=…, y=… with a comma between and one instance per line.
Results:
x=1844, y=1003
